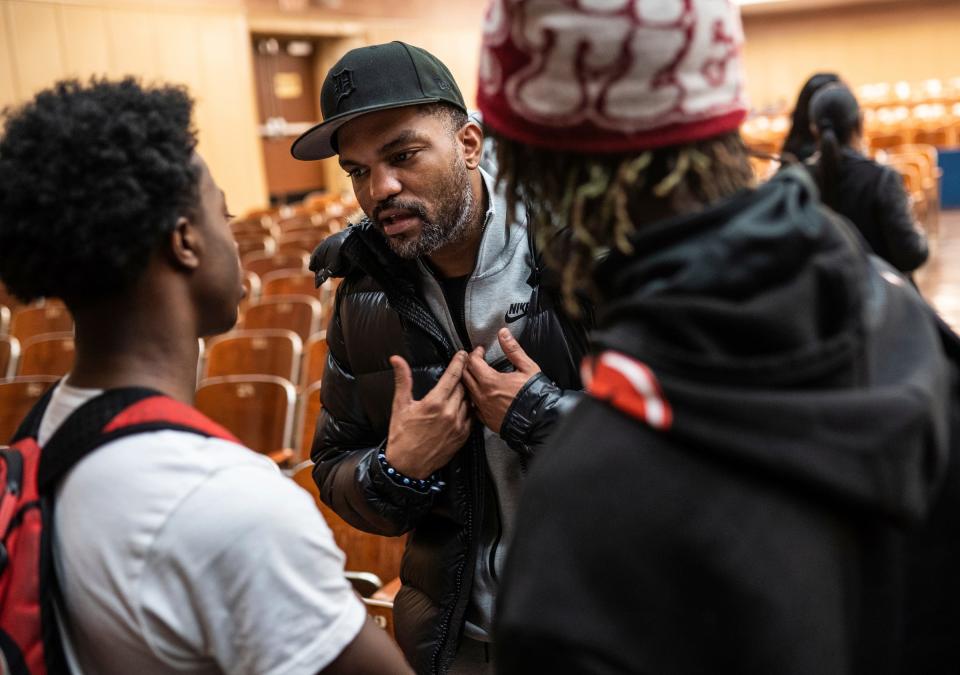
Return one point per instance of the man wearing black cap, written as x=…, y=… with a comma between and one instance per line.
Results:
x=442, y=323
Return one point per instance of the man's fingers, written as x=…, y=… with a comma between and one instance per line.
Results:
x=463, y=422
x=402, y=382
x=477, y=367
x=515, y=353
x=450, y=378
x=456, y=396
x=470, y=382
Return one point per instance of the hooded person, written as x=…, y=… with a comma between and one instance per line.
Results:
x=755, y=483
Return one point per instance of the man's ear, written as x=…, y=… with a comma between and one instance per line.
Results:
x=185, y=244
x=470, y=136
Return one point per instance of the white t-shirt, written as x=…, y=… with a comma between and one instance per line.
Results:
x=180, y=553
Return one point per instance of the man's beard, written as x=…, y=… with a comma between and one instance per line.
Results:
x=455, y=210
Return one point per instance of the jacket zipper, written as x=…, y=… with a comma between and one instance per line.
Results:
x=448, y=614
x=492, y=556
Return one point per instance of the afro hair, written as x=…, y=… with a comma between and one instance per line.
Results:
x=92, y=176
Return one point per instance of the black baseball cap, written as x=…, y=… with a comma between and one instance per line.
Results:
x=369, y=79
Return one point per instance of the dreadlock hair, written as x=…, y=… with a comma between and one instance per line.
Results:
x=584, y=206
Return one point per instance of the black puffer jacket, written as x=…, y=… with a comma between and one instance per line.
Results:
x=380, y=312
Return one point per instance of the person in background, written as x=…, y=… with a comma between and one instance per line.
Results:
x=800, y=143
x=868, y=194
x=166, y=564
x=768, y=412
x=451, y=358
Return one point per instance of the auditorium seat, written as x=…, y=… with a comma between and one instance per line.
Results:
x=8, y=299
x=314, y=359
x=309, y=412
x=257, y=409
x=299, y=223
x=290, y=282
x=881, y=140
x=47, y=354
x=268, y=351
x=9, y=356
x=303, y=239
x=50, y=317
x=250, y=226
x=17, y=396
x=365, y=552
x=299, y=313
x=380, y=605
x=261, y=263
x=318, y=201
x=250, y=243
x=926, y=160
x=381, y=611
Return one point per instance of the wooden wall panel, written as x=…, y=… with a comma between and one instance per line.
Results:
x=132, y=38
x=34, y=34
x=882, y=43
x=8, y=85
x=230, y=134
x=85, y=49
x=202, y=44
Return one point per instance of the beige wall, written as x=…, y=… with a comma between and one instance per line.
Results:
x=203, y=44
x=910, y=41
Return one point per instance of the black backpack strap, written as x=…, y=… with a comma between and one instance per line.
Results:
x=31, y=423
x=82, y=433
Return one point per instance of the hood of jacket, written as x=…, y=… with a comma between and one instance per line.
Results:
x=781, y=346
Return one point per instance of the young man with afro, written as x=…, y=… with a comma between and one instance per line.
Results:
x=165, y=561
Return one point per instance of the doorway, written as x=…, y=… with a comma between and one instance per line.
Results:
x=285, y=70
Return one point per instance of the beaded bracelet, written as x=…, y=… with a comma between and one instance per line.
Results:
x=431, y=484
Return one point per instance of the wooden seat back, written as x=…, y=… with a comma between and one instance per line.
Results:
x=47, y=354
x=257, y=409
x=269, y=351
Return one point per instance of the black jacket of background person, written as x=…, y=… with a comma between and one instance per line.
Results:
x=775, y=528
x=379, y=307
x=872, y=197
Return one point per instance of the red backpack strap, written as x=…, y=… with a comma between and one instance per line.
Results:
x=112, y=415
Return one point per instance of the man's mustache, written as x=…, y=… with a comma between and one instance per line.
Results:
x=414, y=207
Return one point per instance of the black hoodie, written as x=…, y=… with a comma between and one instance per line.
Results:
x=762, y=532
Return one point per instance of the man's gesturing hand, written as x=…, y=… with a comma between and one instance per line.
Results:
x=424, y=435
x=491, y=391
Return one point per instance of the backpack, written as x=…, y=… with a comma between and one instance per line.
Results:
x=29, y=475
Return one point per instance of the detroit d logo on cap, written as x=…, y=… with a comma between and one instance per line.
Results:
x=343, y=84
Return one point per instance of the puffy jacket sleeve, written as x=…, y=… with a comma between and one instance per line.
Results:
x=539, y=405
x=345, y=448
x=906, y=244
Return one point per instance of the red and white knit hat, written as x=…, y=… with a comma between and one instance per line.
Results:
x=611, y=75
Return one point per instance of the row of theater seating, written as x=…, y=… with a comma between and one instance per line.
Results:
x=39, y=339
